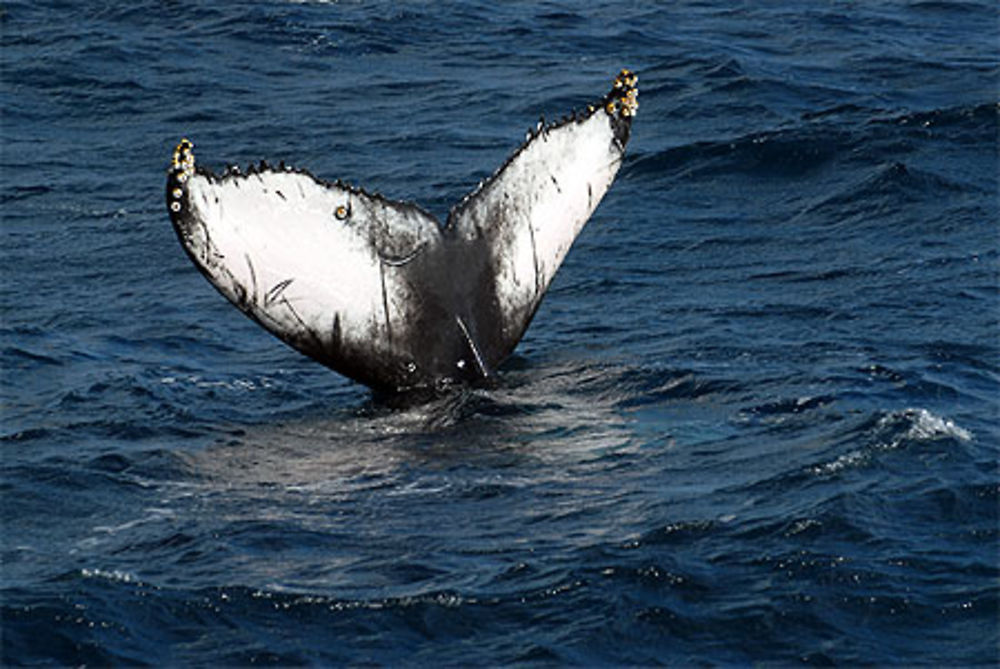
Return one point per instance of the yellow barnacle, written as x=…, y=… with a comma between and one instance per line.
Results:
x=632, y=99
x=177, y=192
x=341, y=212
x=610, y=107
x=184, y=159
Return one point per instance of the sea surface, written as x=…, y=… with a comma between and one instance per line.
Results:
x=756, y=419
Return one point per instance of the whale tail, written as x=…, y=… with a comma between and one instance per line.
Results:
x=377, y=289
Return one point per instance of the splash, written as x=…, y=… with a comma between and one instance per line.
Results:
x=892, y=431
x=920, y=425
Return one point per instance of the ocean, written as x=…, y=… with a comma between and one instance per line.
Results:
x=756, y=419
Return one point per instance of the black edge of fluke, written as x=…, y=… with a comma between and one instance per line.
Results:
x=181, y=169
x=619, y=104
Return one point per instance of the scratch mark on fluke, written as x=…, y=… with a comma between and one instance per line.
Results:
x=275, y=292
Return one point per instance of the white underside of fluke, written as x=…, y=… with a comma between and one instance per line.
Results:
x=535, y=208
x=298, y=253
x=378, y=289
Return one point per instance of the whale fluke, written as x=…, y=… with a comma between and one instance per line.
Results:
x=379, y=290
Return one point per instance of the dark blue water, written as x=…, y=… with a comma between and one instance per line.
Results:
x=755, y=420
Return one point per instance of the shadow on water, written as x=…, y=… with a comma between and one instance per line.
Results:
x=517, y=419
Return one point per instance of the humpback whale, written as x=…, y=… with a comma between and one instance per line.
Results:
x=380, y=291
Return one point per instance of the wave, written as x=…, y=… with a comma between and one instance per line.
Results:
x=800, y=150
x=891, y=431
x=885, y=190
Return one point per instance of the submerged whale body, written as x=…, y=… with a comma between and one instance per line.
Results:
x=379, y=290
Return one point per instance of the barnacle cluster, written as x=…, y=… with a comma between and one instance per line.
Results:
x=183, y=161
x=182, y=166
x=624, y=96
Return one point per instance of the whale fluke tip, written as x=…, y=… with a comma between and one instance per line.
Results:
x=624, y=96
x=183, y=160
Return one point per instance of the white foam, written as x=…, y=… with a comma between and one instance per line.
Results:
x=114, y=575
x=892, y=431
x=852, y=459
x=925, y=426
